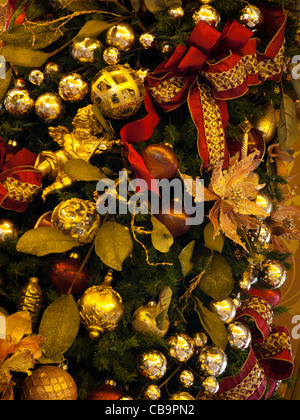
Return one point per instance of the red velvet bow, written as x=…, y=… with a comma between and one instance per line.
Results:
x=214, y=67
x=19, y=180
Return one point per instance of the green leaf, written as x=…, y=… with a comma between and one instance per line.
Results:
x=287, y=129
x=217, y=281
x=92, y=29
x=105, y=124
x=209, y=241
x=4, y=83
x=135, y=5
x=212, y=324
x=24, y=57
x=155, y=6
x=81, y=170
x=185, y=257
x=59, y=326
x=45, y=240
x=162, y=307
x=36, y=8
x=161, y=238
x=113, y=244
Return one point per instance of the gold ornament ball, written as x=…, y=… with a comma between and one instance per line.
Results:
x=166, y=48
x=152, y=392
x=200, y=340
x=212, y=361
x=49, y=107
x=225, y=309
x=210, y=385
x=272, y=274
x=101, y=308
x=84, y=51
x=111, y=55
x=20, y=83
x=176, y=13
x=8, y=231
x=186, y=378
x=251, y=17
x=72, y=88
x=181, y=396
x=52, y=68
x=181, y=347
x=239, y=336
x=77, y=218
x=147, y=40
x=120, y=36
x=144, y=320
x=18, y=102
x=152, y=364
x=49, y=383
x=266, y=124
x=118, y=91
x=207, y=14
x=264, y=202
x=36, y=77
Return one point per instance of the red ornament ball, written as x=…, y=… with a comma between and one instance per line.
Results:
x=160, y=160
x=63, y=273
x=175, y=222
x=108, y=391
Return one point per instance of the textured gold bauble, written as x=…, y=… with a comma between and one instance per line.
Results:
x=111, y=55
x=147, y=40
x=152, y=392
x=272, y=274
x=144, y=320
x=176, y=13
x=49, y=107
x=118, y=91
x=120, y=36
x=186, y=378
x=210, y=385
x=84, y=51
x=251, y=17
x=239, y=336
x=77, y=218
x=101, y=308
x=30, y=299
x=72, y=87
x=207, y=14
x=182, y=396
x=36, y=77
x=212, y=361
x=8, y=230
x=181, y=347
x=18, y=102
x=49, y=383
x=52, y=68
x=225, y=309
x=152, y=364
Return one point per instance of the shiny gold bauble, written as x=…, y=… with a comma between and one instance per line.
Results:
x=18, y=102
x=144, y=320
x=120, y=36
x=212, y=361
x=186, y=378
x=272, y=274
x=250, y=275
x=200, y=340
x=48, y=383
x=84, y=51
x=251, y=17
x=264, y=202
x=8, y=231
x=225, y=309
x=52, y=68
x=36, y=77
x=207, y=14
x=49, y=107
x=166, y=48
x=147, y=40
x=210, y=385
x=152, y=392
x=152, y=364
x=266, y=124
x=176, y=13
x=181, y=347
x=101, y=308
x=19, y=82
x=77, y=218
x=30, y=299
x=182, y=396
x=111, y=55
x=239, y=336
x=118, y=91
x=261, y=235
x=72, y=87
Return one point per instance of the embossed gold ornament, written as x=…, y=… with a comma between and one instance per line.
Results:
x=152, y=364
x=111, y=55
x=225, y=309
x=207, y=14
x=181, y=347
x=272, y=274
x=72, y=87
x=101, y=308
x=18, y=102
x=118, y=91
x=84, y=51
x=144, y=320
x=152, y=392
x=30, y=299
x=87, y=139
x=49, y=107
x=8, y=230
x=120, y=36
x=211, y=361
x=77, y=218
x=147, y=40
x=181, y=396
x=239, y=336
x=36, y=77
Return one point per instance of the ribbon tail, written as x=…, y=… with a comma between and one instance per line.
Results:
x=211, y=118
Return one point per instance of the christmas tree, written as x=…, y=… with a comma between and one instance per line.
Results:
x=144, y=198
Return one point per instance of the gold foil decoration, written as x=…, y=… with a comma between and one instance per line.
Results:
x=30, y=299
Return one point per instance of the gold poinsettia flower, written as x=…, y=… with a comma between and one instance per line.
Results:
x=233, y=191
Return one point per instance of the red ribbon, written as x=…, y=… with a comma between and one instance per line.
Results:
x=208, y=56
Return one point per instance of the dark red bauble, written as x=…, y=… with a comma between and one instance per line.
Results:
x=160, y=160
x=63, y=273
x=175, y=223
x=105, y=392
x=273, y=296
